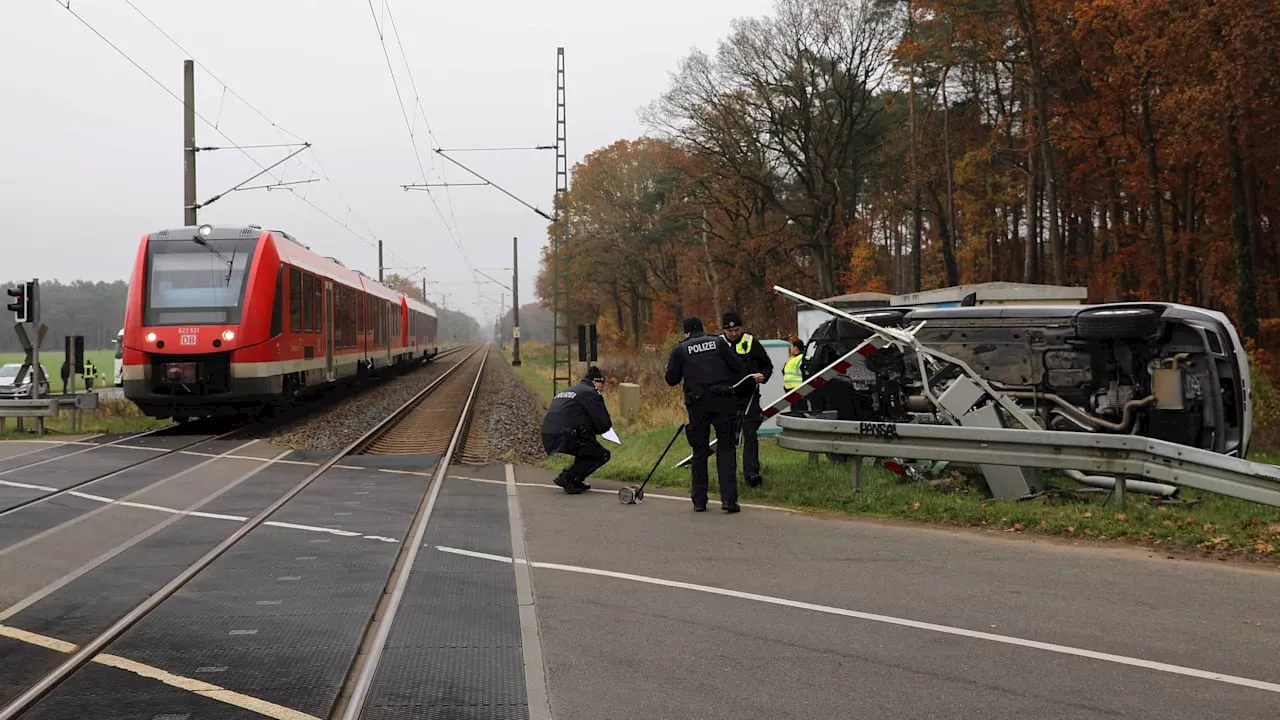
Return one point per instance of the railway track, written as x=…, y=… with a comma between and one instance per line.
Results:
x=166, y=431
x=448, y=402
x=201, y=432
x=425, y=424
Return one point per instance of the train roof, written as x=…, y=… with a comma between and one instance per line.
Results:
x=420, y=306
x=294, y=252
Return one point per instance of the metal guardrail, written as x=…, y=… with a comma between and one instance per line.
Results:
x=1119, y=455
x=48, y=406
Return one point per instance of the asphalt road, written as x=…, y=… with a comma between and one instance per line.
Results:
x=649, y=611
x=635, y=648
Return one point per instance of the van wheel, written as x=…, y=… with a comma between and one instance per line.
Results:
x=1118, y=324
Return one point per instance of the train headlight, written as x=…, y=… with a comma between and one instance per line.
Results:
x=151, y=337
x=228, y=335
x=205, y=230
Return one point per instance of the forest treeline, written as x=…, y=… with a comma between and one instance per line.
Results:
x=453, y=325
x=92, y=309
x=1130, y=146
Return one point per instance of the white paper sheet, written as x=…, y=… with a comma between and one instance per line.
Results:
x=611, y=436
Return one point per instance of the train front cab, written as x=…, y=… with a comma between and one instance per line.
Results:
x=193, y=304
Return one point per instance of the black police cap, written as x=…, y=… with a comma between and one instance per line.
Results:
x=692, y=324
x=731, y=320
x=594, y=374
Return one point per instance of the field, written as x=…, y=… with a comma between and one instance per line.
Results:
x=114, y=414
x=1200, y=522
x=52, y=361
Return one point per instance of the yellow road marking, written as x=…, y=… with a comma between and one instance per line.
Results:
x=199, y=687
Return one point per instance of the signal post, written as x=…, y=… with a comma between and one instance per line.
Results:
x=26, y=309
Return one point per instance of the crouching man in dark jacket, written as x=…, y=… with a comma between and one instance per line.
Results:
x=573, y=420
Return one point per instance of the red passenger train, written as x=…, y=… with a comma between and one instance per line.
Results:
x=224, y=319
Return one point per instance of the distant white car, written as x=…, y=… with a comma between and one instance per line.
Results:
x=11, y=391
x=119, y=363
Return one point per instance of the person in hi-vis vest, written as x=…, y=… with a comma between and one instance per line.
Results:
x=750, y=415
x=792, y=378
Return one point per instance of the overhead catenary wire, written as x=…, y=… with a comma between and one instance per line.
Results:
x=450, y=224
x=419, y=110
x=227, y=89
x=66, y=5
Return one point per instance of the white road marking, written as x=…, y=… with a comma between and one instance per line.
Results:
x=209, y=516
x=890, y=620
x=535, y=675
x=107, y=501
x=96, y=562
x=26, y=486
x=647, y=494
x=82, y=441
x=199, y=687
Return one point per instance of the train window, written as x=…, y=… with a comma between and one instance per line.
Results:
x=308, y=309
x=277, y=305
x=187, y=283
x=349, y=322
x=357, y=316
x=295, y=300
x=317, y=297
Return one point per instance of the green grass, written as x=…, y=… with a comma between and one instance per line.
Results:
x=534, y=369
x=1201, y=521
x=114, y=415
x=52, y=360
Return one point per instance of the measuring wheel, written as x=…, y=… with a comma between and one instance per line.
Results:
x=631, y=495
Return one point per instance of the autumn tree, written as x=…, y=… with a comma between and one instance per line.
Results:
x=787, y=104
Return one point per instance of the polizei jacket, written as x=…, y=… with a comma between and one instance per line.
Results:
x=704, y=362
x=579, y=410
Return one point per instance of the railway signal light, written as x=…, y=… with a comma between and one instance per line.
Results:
x=21, y=305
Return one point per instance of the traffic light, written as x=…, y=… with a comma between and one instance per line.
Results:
x=21, y=305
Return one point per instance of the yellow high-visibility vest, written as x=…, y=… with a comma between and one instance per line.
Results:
x=791, y=377
x=744, y=344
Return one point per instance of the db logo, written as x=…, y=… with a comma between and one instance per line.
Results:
x=186, y=339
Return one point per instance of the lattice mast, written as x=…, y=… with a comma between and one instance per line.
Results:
x=562, y=348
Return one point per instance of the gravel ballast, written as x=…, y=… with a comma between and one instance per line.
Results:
x=505, y=427
x=508, y=417
x=354, y=413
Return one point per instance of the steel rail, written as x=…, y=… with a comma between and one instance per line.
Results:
x=369, y=438
x=95, y=446
x=89, y=650
x=164, y=454
x=364, y=670
x=118, y=471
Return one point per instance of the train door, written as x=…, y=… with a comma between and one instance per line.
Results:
x=328, y=331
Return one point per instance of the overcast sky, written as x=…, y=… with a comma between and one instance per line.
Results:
x=91, y=149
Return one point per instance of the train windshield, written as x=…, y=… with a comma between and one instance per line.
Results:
x=190, y=283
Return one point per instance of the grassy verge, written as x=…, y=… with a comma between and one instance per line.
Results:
x=114, y=415
x=1213, y=524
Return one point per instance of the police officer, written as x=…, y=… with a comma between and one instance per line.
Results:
x=750, y=416
x=792, y=376
x=709, y=368
x=575, y=417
